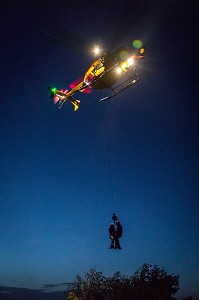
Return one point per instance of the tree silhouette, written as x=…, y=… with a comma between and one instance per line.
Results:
x=147, y=283
x=154, y=283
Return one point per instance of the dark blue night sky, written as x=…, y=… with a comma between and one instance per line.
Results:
x=56, y=193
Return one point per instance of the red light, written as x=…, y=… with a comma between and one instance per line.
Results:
x=76, y=82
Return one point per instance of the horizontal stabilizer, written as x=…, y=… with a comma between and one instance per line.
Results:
x=76, y=103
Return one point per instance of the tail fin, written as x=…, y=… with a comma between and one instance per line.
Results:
x=62, y=96
x=75, y=102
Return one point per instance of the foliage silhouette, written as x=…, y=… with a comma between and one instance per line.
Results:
x=147, y=283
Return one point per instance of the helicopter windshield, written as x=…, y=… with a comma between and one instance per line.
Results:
x=97, y=67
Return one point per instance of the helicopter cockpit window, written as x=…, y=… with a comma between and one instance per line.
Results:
x=97, y=67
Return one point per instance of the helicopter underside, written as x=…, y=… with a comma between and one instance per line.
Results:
x=105, y=81
x=111, y=79
x=122, y=86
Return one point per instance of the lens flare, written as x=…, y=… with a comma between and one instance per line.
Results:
x=124, y=54
x=119, y=70
x=137, y=44
x=130, y=61
x=96, y=50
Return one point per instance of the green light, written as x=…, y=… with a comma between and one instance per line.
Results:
x=53, y=90
x=137, y=44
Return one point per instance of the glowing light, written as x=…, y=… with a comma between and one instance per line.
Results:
x=119, y=70
x=124, y=66
x=72, y=85
x=87, y=90
x=76, y=82
x=96, y=50
x=130, y=61
x=137, y=44
x=142, y=50
x=53, y=90
x=56, y=99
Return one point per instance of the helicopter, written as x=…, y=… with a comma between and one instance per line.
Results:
x=115, y=70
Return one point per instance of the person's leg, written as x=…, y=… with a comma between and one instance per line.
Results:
x=117, y=244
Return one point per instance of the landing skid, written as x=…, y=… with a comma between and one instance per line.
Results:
x=122, y=87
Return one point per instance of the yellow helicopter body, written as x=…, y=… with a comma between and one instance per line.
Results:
x=114, y=70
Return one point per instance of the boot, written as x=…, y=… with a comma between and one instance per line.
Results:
x=112, y=245
x=117, y=245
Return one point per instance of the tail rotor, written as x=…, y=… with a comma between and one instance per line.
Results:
x=52, y=91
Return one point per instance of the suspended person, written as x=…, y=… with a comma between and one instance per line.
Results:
x=118, y=235
x=115, y=234
x=112, y=233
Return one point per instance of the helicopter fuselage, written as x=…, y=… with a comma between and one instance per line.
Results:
x=109, y=69
x=114, y=70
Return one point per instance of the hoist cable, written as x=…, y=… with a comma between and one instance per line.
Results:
x=111, y=180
